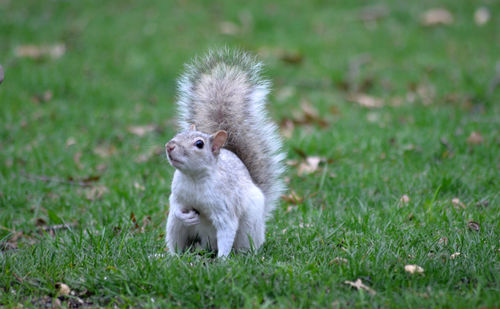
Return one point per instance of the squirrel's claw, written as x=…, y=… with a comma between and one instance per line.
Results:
x=188, y=218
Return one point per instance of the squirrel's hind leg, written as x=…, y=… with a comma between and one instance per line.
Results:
x=251, y=231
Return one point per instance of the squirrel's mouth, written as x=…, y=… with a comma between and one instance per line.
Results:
x=173, y=161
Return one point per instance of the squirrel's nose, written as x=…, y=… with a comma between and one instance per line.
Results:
x=169, y=146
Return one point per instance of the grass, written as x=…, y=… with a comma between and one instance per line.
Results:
x=69, y=119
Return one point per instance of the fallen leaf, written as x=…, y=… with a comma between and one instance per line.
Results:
x=95, y=193
x=138, y=186
x=309, y=166
x=426, y=93
x=308, y=115
x=38, y=51
x=339, y=260
x=456, y=202
x=475, y=138
x=481, y=16
x=438, y=16
x=62, y=289
x=454, y=255
x=134, y=220
x=293, y=198
x=404, y=199
x=46, y=96
x=473, y=225
x=105, y=151
x=300, y=152
x=359, y=285
x=287, y=128
x=292, y=57
x=443, y=241
x=145, y=222
x=413, y=268
x=70, y=141
x=12, y=242
x=229, y=28
x=1, y=74
x=141, y=130
x=365, y=100
x=40, y=221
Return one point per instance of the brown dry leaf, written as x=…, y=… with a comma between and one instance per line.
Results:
x=473, y=225
x=70, y=141
x=134, y=220
x=229, y=28
x=481, y=16
x=404, y=199
x=339, y=260
x=457, y=203
x=293, y=198
x=62, y=289
x=138, y=186
x=426, y=93
x=437, y=16
x=309, y=166
x=454, y=255
x=105, y=151
x=145, y=222
x=46, y=96
x=443, y=241
x=475, y=138
x=292, y=57
x=307, y=115
x=365, y=100
x=359, y=285
x=413, y=268
x=287, y=126
x=141, y=130
x=12, y=242
x=95, y=193
x=38, y=51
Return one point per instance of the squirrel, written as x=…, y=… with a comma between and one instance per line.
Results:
x=228, y=156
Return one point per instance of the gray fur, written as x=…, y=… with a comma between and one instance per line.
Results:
x=224, y=91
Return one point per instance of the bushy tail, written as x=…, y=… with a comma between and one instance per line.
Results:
x=224, y=91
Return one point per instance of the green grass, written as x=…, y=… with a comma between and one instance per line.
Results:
x=119, y=70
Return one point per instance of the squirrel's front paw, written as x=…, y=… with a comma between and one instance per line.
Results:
x=187, y=217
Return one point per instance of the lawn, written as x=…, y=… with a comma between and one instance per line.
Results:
x=391, y=124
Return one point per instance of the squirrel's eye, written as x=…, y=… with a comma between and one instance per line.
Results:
x=199, y=143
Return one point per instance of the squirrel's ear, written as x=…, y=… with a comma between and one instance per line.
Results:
x=192, y=127
x=218, y=140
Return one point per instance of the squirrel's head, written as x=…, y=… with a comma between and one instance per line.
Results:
x=192, y=152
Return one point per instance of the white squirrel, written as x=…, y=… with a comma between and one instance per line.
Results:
x=228, y=158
